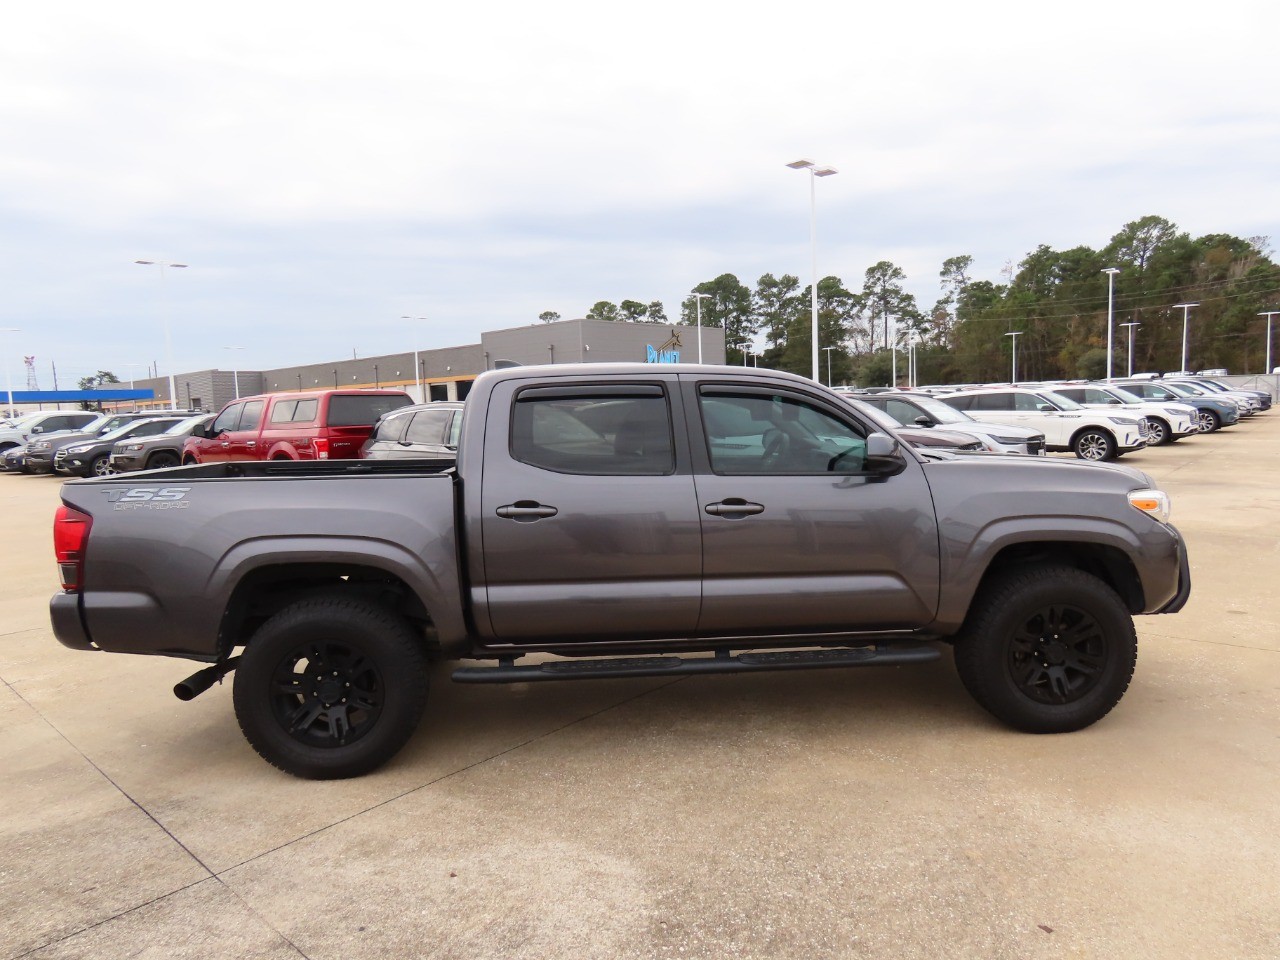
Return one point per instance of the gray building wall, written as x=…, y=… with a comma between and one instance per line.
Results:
x=447, y=373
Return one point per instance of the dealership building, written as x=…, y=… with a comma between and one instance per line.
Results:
x=447, y=373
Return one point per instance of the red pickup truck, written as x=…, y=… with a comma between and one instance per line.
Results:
x=313, y=425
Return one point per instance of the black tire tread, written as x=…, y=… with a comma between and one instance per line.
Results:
x=365, y=755
x=979, y=653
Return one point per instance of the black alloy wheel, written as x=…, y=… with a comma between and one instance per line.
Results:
x=158, y=461
x=1047, y=650
x=332, y=688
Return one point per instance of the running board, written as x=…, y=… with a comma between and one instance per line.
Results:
x=607, y=668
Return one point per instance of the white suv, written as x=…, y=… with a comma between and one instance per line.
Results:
x=1166, y=422
x=1089, y=434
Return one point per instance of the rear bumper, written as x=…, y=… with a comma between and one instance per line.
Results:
x=64, y=612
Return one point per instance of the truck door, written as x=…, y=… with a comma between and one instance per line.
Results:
x=243, y=441
x=798, y=536
x=215, y=446
x=589, y=524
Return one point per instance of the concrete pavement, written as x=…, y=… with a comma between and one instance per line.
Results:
x=821, y=814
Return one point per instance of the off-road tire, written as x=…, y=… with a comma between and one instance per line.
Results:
x=1047, y=650
x=331, y=688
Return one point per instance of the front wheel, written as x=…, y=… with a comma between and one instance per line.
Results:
x=1096, y=445
x=1208, y=420
x=329, y=689
x=1047, y=650
x=1158, y=432
x=101, y=466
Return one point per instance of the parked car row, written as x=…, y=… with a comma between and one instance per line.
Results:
x=1095, y=420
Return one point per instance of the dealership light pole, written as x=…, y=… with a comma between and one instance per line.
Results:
x=815, y=170
x=417, y=370
x=698, y=297
x=828, y=351
x=8, y=377
x=1269, y=314
x=1186, y=309
x=168, y=336
x=1130, y=325
x=1015, y=334
x=235, y=368
x=1111, y=310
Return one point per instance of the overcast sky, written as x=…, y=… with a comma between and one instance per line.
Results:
x=327, y=168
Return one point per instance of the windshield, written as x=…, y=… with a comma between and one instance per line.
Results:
x=118, y=433
x=94, y=425
x=183, y=427
x=874, y=414
x=1191, y=389
x=943, y=413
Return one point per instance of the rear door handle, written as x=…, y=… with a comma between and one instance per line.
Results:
x=734, y=507
x=526, y=511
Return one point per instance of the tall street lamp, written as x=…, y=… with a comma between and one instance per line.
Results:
x=815, y=170
x=1015, y=334
x=168, y=337
x=8, y=376
x=698, y=297
x=417, y=369
x=828, y=351
x=235, y=368
x=1111, y=310
x=1269, y=314
x=1131, y=325
x=1186, y=309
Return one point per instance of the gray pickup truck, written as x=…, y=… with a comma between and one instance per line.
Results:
x=618, y=521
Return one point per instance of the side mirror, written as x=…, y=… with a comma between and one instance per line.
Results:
x=925, y=421
x=883, y=455
x=37, y=429
x=1045, y=407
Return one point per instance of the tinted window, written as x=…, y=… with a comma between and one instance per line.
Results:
x=992, y=401
x=428, y=426
x=306, y=411
x=901, y=411
x=252, y=415
x=283, y=410
x=754, y=434
x=227, y=419
x=455, y=428
x=962, y=402
x=555, y=433
x=355, y=410
x=390, y=429
x=1028, y=402
x=1077, y=394
x=150, y=429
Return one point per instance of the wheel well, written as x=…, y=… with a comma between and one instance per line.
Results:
x=1092, y=429
x=188, y=460
x=1109, y=564
x=267, y=590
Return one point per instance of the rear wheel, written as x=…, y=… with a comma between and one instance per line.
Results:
x=1047, y=650
x=1094, y=444
x=329, y=689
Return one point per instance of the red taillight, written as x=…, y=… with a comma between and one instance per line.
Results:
x=70, y=535
x=321, y=446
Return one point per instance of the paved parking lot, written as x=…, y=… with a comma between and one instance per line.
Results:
x=843, y=813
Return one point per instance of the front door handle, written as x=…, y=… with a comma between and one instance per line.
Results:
x=252, y=443
x=225, y=445
x=734, y=507
x=526, y=511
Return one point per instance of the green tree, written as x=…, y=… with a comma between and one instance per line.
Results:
x=656, y=312
x=95, y=382
x=728, y=306
x=884, y=297
x=604, y=310
x=548, y=316
x=633, y=311
x=775, y=304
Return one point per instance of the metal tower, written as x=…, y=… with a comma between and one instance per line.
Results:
x=31, y=373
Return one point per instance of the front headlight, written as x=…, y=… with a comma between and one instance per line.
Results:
x=131, y=448
x=1155, y=503
x=1123, y=421
x=39, y=445
x=79, y=449
x=1175, y=413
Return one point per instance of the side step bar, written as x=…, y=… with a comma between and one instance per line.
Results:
x=723, y=662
